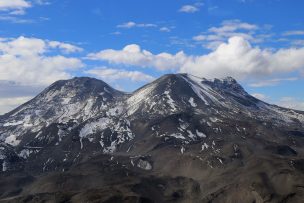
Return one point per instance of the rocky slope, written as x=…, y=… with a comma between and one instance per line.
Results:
x=178, y=139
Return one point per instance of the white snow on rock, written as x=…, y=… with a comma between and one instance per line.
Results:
x=92, y=127
x=191, y=101
x=191, y=135
x=121, y=128
x=204, y=146
x=139, y=97
x=170, y=101
x=145, y=165
x=13, y=123
x=4, y=166
x=195, y=87
x=183, y=149
x=12, y=140
x=200, y=134
x=177, y=136
x=25, y=153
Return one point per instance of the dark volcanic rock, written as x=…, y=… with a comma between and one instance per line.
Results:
x=178, y=139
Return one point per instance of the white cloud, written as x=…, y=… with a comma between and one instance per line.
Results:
x=229, y=28
x=272, y=82
x=116, y=33
x=110, y=74
x=189, y=9
x=13, y=10
x=232, y=26
x=165, y=29
x=29, y=61
x=260, y=96
x=236, y=58
x=15, y=7
x=131, y=24
x=13, y=4
x=8, y=104
x=16, y=20
x=299, y=42
x=239, y=59
x=42, y=2
x=133, y=55
x=65, y=47
x=292, y=103
x=293, y=32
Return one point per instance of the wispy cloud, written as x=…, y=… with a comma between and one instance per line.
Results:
x=260, y=96
x=191, y=8
x=16, y=20
x=229, y=28
x=111, y=74
x=65, y=47
x=216, y=35
x=291, y=102
x=165, y=29
x=42, y=2
x=188, y=9
x=299, y=42
x=132, y=24
x=293, y=32
x=13, y=11
x=15, y=7
x=8, y=104
x=272, y=82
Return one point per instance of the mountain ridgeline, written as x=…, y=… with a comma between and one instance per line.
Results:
x=180, y=138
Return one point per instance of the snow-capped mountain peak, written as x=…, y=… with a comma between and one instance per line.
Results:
x=85, y=115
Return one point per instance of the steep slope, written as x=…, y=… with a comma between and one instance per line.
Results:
x=201, y=138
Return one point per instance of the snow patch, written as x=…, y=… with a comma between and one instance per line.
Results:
x=183, y=149
x=200, y=134
x=204, y=146
x=170, y=101
x=13, y=123
x=12, y=140
x=145, y=165
x=191, y=101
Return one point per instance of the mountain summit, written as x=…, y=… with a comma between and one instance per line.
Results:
x=180, y=138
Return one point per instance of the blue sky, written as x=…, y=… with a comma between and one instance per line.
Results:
x=128, y=43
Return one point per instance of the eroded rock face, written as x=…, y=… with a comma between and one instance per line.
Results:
x=178, y=139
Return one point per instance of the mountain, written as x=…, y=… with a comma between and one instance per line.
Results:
x=180, y=138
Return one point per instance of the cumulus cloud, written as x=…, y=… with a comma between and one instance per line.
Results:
x=13, y=10
x=133, y=55
x=29, y=61
x=15, y=7
x=131, y=24
x=229, y=28
x=239, y=59
x=110, y=74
